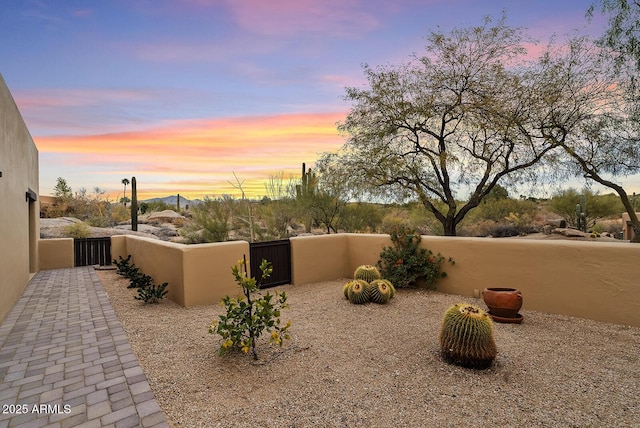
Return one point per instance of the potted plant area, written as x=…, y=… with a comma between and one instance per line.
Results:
x=503, y=304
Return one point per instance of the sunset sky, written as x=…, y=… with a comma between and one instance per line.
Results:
x=182, y=94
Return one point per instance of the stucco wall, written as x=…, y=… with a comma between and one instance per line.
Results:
x=55, y=253
x=594, y=280
x=19, y=228
x=197, y=274
x=319, y=258
x=591, y=280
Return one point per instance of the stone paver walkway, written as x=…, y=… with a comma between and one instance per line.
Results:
x=65, y=360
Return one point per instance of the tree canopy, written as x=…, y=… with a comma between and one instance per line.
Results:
x=449, y=125
x=622, y=37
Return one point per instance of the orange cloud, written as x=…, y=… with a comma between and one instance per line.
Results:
x=199, y=157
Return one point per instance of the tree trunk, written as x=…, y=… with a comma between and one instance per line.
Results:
x=449, y=226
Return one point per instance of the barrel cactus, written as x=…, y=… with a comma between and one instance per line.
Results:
x=391, y=288
x=345, y=289
x=380, y=291
x=466, y=338
x=367, y=273
x=358, y=291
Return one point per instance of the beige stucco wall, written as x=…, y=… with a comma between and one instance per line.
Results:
x=55, y=253
x=319, y=258
x=19, y=228
x=594, y=280
x=364, y=249
x=197, y=274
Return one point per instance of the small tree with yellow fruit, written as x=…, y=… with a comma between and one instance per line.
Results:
x=248, y=317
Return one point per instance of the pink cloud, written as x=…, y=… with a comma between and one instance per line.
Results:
x=82, y=12
x=345, y=18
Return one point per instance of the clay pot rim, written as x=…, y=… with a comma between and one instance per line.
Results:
x=501, y=289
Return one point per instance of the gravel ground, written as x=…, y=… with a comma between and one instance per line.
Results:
x=379, y=366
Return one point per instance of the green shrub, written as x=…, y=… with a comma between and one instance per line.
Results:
x=249, y=316
x=124, y=266
x=148, y=292
x=151, y=293
x=118, y=214
x=77, y=230
x=405, y=263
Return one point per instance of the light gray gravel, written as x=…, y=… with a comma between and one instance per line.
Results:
x=379, y=366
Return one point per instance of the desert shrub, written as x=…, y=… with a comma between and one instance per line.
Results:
x=405, y=263
x=210, y=222
x=119, y=214
x=597, y=206
x=615, y=229
x=148, y=292
x=248, y=317
x=395, y=219
x=124, y=266
x=99, y=221
x=499, y=210
x=77, y=230
x=504, y=231
x=361, y=217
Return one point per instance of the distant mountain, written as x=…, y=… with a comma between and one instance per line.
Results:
x=173, y=200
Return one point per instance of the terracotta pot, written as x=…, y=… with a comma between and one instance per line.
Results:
x=503, y=303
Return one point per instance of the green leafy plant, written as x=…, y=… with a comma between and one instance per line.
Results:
x=140, y=280
x=248, y=317
x=466, y=337
x=405, y=263
x=151, y=293
x=148, y=292
x=124, y=267
x=131, y=272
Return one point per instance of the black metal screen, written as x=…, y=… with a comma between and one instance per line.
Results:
x=92, y=251
x=276, y=252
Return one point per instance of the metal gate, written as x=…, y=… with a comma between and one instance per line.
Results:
x=92, y=251
x=276, y=252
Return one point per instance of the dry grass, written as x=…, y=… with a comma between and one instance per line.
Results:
x=379, y=366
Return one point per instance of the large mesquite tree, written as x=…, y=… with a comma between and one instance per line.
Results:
x=447, y=127
x=605, y=144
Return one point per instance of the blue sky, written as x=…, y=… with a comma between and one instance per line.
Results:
x=183, y=94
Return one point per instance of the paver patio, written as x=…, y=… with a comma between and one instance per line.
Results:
x=65, y=360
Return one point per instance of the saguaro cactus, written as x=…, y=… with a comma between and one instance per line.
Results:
x=581, y=214
x=305, y=192
x=134, y=204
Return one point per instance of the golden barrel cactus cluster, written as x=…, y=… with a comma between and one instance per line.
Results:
x=368, y=286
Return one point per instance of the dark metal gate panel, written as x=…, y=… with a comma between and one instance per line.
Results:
x=92, y=251
x=276, y=252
